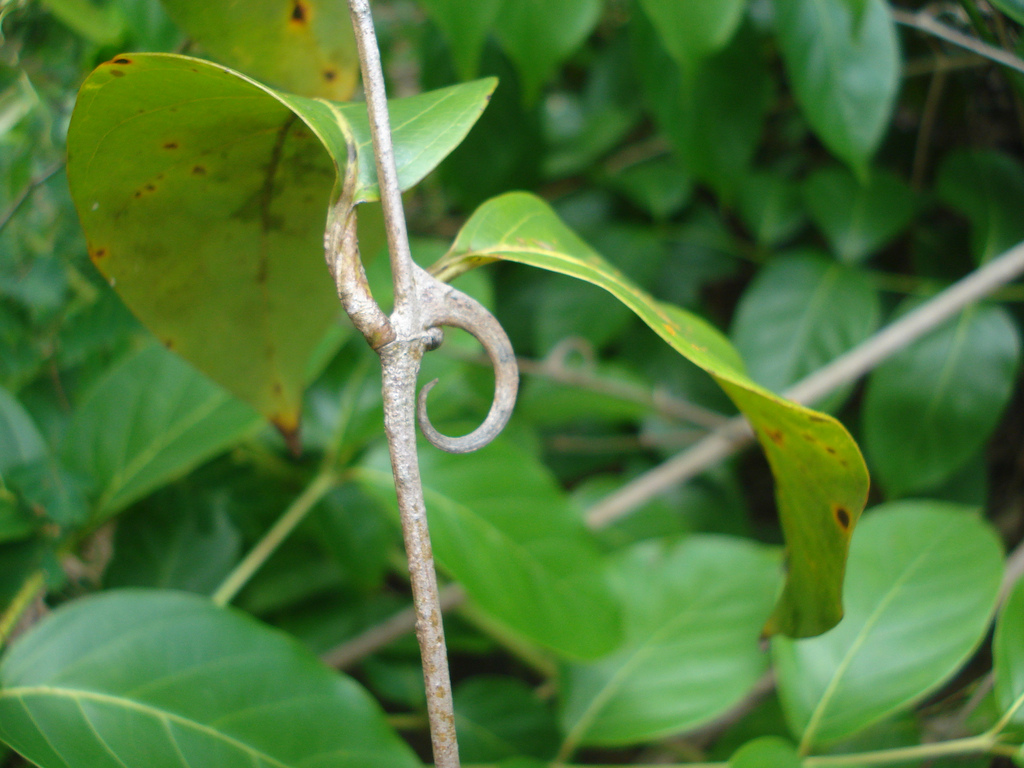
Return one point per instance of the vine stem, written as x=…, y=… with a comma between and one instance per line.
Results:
x=321, y=484
x=925, y=22
x=400, y=363
x=25, y=596
x=972, y=745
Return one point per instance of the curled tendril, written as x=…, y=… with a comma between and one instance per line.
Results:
x=442, y=305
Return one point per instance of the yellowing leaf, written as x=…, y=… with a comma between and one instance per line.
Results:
x=821, y=479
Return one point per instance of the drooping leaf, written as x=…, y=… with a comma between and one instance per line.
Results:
x=300, y=46
x=692, y=30
x=136, y=679
x=932, y=406
x=1008, y=654
x=798, y=314
x=923, y=575
x=203, y=196
x=858, y=219
x=538, y=35
x=693, y=614
x=465, y=27
x=501, y=717
x=766, y=752
x=844, y=72
x=500, y=526
x=713, y=120
x=150, y=420
x=988, y=188
x=820, y=474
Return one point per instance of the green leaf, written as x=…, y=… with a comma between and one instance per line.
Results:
x=692, y=30
x=150, y=420
x=821, y=481
x=988, y=188
x=693, y=615
x=798, y=314
x=465, y=26
x=174, y=543
x=301, y=46
x=1008, y=654
x=715, y=118
x=858, y=219
x=133, y=679
x=211, y=227
x=501, y=717
x=1012, y=8
x=500, y=526
x=931, y=407
x=844, y=72
x=771, y=207
x=101, y=24
x=538, y=35
x=766, y=752
x=20, y=440
x=923, y=575
x=660, y=186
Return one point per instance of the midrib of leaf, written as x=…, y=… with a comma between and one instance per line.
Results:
x=946, y=373
x=832, y=688
x=132, y=469
x=77, y=696
x=614, y=683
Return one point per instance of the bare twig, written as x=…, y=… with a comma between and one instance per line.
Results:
x=29, y=188
x=925, y=22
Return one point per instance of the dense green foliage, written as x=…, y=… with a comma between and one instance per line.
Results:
x=757, y=185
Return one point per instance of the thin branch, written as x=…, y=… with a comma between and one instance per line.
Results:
x=843, y=370
x=925, y=22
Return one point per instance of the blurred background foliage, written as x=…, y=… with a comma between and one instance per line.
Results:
x=741, y=182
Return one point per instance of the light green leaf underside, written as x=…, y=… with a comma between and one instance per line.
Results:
x=693, y=29
x=150, y=420
x=693, y=615
x=204, y=196
x=923, y=575
x=301, y=46
x=150, y=679
x=501, y=526
x=820, y=475
x=1008, y=654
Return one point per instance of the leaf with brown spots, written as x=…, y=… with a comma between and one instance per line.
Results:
x=216, y=244
x=817, y=466
x=300, y=46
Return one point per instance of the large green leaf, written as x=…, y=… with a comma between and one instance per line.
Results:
x=714, y=118
x=691, y=30
x=301, y=46
x=150, y=420
x=844, y=71
x=465, y=27
x=147, y=679
x=988, y=188
x=857, y=218
x=821, y=480
x=539, y=34
x=693, y=614
x=920, y=592
x=500, y=525
x=799, y=313
x=1008, y=654
x=932, y=406
x=203, y=196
